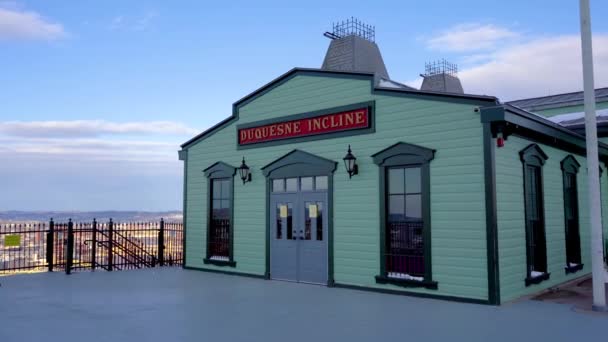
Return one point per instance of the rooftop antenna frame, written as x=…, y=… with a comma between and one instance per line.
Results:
x=352, y=27
x=440, y=67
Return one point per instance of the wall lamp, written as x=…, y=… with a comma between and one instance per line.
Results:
x=244, y=172
x=350, y=162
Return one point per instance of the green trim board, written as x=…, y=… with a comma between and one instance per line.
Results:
x=413, y=294
x=208, y=261
x=491, y=216
x=183, y=155
x=231, y=273
x=422, y=95
x=370, y=105
x=404, y=154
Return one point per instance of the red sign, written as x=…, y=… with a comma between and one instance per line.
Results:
x=328, y=123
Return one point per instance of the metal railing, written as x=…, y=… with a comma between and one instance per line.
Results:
x=405, y=248
x=70, y=246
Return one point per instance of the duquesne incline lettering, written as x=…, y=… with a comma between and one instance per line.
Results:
x=322, y=124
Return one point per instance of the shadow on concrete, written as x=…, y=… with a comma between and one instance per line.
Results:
x=578, y=294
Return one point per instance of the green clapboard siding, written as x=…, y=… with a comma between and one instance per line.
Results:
x=511, y=218
x=569, y=109
x=457, y=183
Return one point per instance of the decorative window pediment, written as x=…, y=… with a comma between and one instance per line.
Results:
x=533, y=155
x=298, y=163
x=220, y=170
x=402, y=154
x=570, y=164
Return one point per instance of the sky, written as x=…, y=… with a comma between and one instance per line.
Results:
x=97, y=96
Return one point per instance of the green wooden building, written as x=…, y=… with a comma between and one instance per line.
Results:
x=342, y=177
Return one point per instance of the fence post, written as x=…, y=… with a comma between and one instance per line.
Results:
x=110, y=245
x=50, y=240
x=70, y=248
x=161, y=243
x=94, y=242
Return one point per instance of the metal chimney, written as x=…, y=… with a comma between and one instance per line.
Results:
x=441, y=76
x=353, y=49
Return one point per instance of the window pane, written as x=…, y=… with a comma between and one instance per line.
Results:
x=321, y=183
x=306, y=184
x=319, y=221
x=413, y=183
x=291, y=184
x=279, y=222
x=216, y=188
x=217, y=204
x=413, y=206
x=278, y=185
x=225, y=204
x=225, y=188
x=395, y=181
x=289, y=221
x=396, y=208
x=532, y=187
x=308, y=219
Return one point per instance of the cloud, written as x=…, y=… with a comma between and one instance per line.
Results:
x=140, y=23
x=16, y=24
x=499, y=61
x=88, y=128
x=117, y=22
x=471, y=37
x=539, y=67
x=144, y=22
x=92, y=149
x=91, y=165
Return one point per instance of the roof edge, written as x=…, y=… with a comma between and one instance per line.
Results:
x=311, y=71
x=538, y=124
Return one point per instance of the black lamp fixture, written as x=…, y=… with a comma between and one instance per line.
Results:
x=244, y=172
x=350, y=162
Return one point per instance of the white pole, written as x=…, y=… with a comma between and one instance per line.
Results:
x=597, y=255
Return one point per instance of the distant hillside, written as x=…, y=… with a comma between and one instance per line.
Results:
x=83, y=216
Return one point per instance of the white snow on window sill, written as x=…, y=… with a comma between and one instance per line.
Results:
x=395, y=275
x=535, y=274
x=219, y=258
x=571, y=264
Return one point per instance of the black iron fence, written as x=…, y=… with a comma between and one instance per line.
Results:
x=405, y=249
x=71, y=246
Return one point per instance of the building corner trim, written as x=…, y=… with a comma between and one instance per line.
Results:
x=185, y=204
x=491, y=215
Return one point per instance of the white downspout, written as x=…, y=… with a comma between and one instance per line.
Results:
x=597, y=255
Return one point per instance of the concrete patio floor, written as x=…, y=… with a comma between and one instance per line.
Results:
x=175, y=305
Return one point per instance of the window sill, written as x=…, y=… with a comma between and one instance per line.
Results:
x=574, y=269
x=537, y=280
x=432, y=285
x=230, y=263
